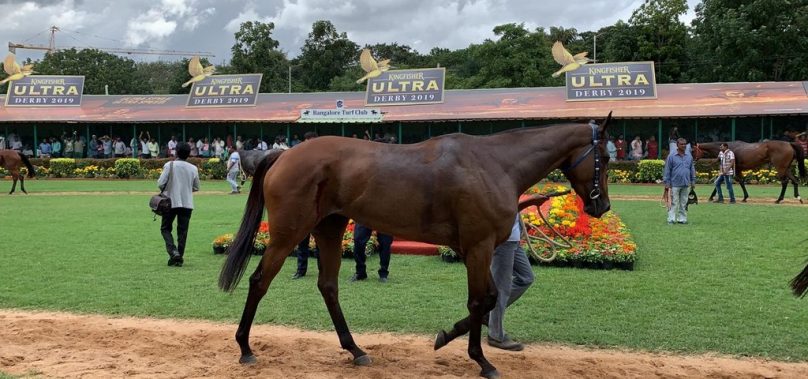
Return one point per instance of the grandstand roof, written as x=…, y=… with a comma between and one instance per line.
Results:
x=673, y=101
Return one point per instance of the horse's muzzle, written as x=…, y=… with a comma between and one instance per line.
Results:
x=597, y=207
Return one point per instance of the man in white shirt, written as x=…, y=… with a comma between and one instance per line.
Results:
x=172, y=147
x=233, y=169
x=261, y=145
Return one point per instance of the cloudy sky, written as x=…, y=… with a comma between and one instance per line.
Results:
x=209, y=25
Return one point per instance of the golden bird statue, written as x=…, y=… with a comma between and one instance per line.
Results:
x=12, y=68
x=372, y=67
x=568, y=61
x=197, y=72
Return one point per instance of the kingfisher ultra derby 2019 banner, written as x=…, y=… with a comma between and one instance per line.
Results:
x=225, y=91
x=45, y=91
x=612, y=81
x=406, y=87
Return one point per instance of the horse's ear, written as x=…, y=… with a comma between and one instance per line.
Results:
x=605, y=124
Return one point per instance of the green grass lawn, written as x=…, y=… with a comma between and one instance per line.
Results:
x=718, y=284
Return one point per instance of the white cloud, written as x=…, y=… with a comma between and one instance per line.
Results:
x=147, y=27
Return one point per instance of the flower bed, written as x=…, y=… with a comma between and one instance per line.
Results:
x=596, y=243
x=222, y=243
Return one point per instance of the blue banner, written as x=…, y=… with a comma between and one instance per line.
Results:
x=225, y=91
x=612, y=81
x=406, y=87
x=45, y=91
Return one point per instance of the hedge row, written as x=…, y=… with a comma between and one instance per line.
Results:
x=123, y=168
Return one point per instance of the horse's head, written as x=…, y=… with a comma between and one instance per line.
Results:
x=586, y=168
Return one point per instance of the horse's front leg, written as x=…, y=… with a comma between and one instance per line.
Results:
x=14, y=183
x=328, y=235
x=22, y=184
x=712, y=195
x=270, y=264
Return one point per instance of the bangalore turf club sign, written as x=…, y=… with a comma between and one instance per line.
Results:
x=406, y=87
x=612, y=81
x=341, y=115
x=45, y=91
x=225, y=91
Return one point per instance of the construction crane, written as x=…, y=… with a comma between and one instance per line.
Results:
x=12, y=47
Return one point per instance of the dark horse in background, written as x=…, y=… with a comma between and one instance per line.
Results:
x=456, y=190
x=12, y=160
x=750, y=156
x=251, y=158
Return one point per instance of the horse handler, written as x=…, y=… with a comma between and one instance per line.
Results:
x=679, y=174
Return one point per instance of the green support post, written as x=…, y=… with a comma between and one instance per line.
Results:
x=184, y=139
x=399, y=132
x=429, y=130
x=36, y=141
x=459, y=127
x=659, y=139
x=771, y=127
x=762, y=121
x=733, y=129
x=696, y=129
x=624, y=129
x=134, y=136
x=342, y=129
x=209, y=139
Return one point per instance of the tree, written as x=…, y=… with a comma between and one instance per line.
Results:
x=99, y=69
x=661, y=37
x=752, y=40
x=326, y=54
x=518, y=59
x=255, y=51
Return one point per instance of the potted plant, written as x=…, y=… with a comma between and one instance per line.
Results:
x=448, y=255
x=222, y=243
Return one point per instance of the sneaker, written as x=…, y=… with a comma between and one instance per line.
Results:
x=383, y=280
x=298, y=275
x=670, y=222
x=505, y=344
x=732, y=201
x=683, y=222
x=356, y=278
x=718, y=201
x=234, y=192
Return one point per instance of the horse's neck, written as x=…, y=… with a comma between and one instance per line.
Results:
x=529, y=155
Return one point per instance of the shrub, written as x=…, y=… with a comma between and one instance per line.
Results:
x=62, y=167
x=214, y=168
x=127, y=167
x=650, y=170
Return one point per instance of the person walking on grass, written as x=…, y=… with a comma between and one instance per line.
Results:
x=726, y=159
x=233, y=170
x=179, y=180
x=678, y=175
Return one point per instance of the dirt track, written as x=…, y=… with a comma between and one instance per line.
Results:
x=77, y=346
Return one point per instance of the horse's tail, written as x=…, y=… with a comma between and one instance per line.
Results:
x=241, y=248
x=800, y=283
x=31, y=169
x=800, y=158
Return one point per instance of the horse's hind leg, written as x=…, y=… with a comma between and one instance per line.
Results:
x=270, y=264
x=784, y=183
x=712, y=195
x=742, y=183
x=328, y=235
x=22, y=184
x=796, y=184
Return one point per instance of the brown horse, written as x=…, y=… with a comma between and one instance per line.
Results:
x=750, y=156
x=12, y=160
x=456, y=190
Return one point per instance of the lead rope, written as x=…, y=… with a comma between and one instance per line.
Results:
x=529, y=239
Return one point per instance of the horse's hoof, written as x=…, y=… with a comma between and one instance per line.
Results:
x=493, y=374
x=743, y=201
x=362, y=360
x=247, y=359
x=440, y=340
x=778, y=201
